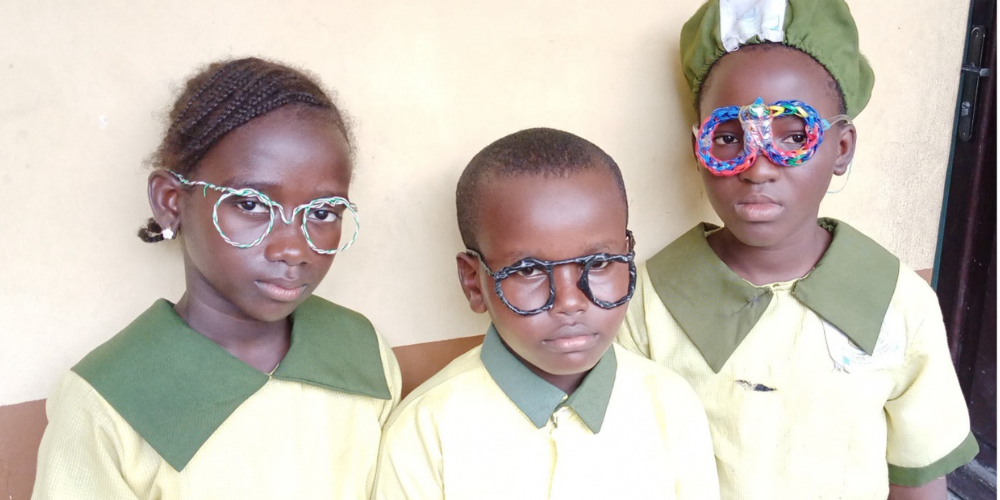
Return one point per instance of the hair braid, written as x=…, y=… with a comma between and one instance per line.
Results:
x=224, y=96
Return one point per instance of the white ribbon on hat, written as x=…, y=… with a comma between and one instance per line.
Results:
x=741, y=20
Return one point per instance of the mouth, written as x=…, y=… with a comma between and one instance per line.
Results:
x=571, y=339
x=758, y=208
x=281, y=291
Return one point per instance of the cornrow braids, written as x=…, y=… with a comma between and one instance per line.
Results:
x=224, y=96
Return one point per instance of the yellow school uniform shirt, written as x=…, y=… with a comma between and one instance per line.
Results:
x=486, y=427
x=827, y=387
x=162, y=412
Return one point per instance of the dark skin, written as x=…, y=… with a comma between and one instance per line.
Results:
x=549, y=219
x=769, y=212
x=242, y=298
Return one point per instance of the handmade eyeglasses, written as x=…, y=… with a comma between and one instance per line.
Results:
x=787, y=132
x=527, y=287
x=244, y=217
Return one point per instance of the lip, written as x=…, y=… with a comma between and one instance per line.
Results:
x=758, y=208
x=571, y=339
x=281, y=290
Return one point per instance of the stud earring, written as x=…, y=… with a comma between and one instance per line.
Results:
x=167, y=233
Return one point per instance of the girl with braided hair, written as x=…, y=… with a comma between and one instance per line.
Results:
x=248, y=386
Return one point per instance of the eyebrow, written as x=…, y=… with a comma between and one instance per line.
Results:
x=598, y=247
x=268, y=187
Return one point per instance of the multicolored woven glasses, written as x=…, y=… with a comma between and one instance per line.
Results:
x=244, y=217
x=787, y=132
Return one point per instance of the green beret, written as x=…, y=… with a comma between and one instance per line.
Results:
x=824, y=29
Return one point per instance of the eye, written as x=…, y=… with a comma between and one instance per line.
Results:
x=725, y=139
x=530, y=272
x=792, y=141
x=599, y=265
x=251, y=205
x=326, y=212
x=789, y=132
x=321, y=215
x=798, y=138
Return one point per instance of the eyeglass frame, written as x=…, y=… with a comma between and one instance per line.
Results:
x=583, y=283
x=228, y=191
x=758, y=138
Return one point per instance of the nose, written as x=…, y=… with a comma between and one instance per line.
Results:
x=286, y=243
x=570, y=299
x=761, y=171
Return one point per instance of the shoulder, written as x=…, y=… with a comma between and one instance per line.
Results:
x=73, y=392
x=123, y=354
x=346, y=325
x=637, y=373
x=913, y=291
x=75, y=407
x=326, y=315
x=689, y=246
x=454, y=387
x=914, y=311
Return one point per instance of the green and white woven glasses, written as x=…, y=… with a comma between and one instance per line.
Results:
x=244, y=217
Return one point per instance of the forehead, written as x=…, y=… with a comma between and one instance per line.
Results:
x=773, y=73
x=551, y=217
x=286, y=154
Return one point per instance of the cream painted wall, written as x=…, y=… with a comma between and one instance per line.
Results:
x=85, y=85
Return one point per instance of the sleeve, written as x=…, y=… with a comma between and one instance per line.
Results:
x=393, y=378
x=81, y=453
x=699, y=478
x=410, y=461
x=632, y=333
x=927, y=418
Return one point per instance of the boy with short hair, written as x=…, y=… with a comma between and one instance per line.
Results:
x=822, y=361
x=546, y=407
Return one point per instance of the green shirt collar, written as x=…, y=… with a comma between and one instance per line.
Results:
x=175, y=387
x=538, y=399
x=850, y=287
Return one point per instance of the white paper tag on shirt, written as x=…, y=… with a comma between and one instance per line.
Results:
x=890, y=349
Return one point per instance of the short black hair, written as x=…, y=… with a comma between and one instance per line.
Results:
x=543, y=152
x=832, y=85
x=224, y=96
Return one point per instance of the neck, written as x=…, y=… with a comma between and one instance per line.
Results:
x=259, y=344
x=565, y=383
x=791, y=259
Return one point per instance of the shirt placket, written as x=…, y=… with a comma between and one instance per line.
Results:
x=567, y=433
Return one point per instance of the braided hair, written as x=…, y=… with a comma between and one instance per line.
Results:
x=224, y=96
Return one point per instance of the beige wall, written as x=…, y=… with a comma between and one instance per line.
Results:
x=84, y=86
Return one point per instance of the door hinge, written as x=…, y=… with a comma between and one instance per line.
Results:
x=972, y=73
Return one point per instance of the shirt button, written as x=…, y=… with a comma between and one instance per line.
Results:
x=561, y=415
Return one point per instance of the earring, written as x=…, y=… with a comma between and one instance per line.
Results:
x=167, y=233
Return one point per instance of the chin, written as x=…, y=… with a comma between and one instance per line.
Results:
x=575, y=363
x=756, y=234
x=269, y=312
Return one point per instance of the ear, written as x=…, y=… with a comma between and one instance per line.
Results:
x=469, y=278
x=847, y=139
x=164, y=192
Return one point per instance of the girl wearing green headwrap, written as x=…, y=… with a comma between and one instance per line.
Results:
x=821, y=360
